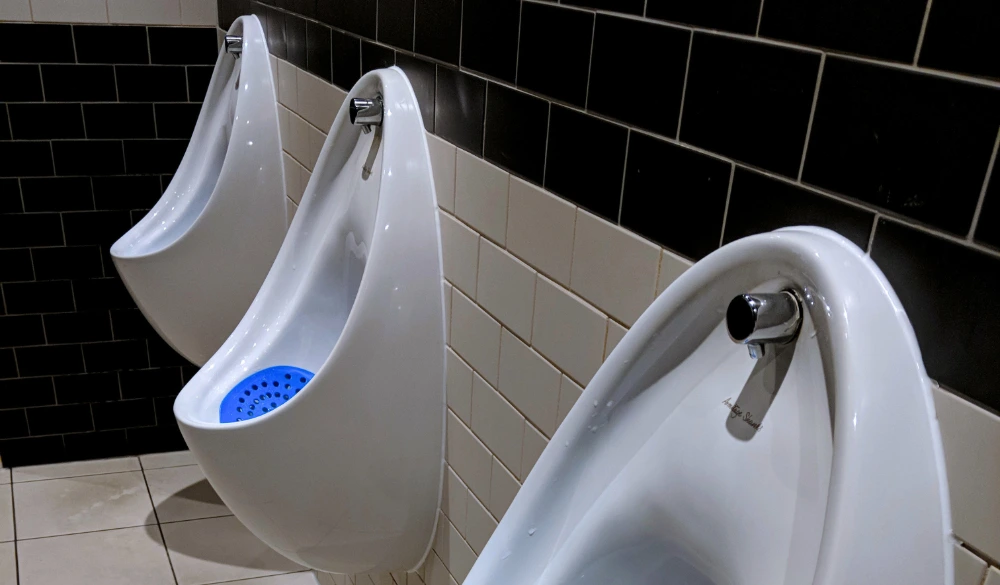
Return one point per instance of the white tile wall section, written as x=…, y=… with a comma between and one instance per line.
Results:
x=290, y=209
x=534, y=444
x=144, y=11
x=569, y=393
x=447, y=311
x=460, y=254
x=287, y=90
x=85, y=11
x=293, y=178
x=203, y=12
x=969, y=569
x=455, y=499
x=15, y=10
x=506, y=288
x=497, y=423
x=671, y=267
x=443, y=162
x=503, y=488
x=568, y=331
x=615, y=334
x=470, y=459
x=530, y=382
x=454, y=551
x=318, y=101
x=481, y=525
x=992, y=577
x=481, y=196
x=436, y=573
x=475, y=336
x=458, y=384
x=613, y=268
x=540, y=229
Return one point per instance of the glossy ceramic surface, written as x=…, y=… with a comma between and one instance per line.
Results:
x=194, y=263
x=686, y=461
x=346, y=476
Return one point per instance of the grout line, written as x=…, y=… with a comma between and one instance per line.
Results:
x=590, y=60
x=871, y=236
x=621, y=196
x=982, y=193
x=13, y=522
x=725, y=211
x=923, y=32
x=645, y=7
x=517, y=52
x=545, y=159
x=687, y=72
x=760, y=17
x=812, y=115
x=156, y=516
x=72, y=38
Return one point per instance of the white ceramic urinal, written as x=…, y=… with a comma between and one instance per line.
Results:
x=686, y=461
x=341, y=472
x=194, y=263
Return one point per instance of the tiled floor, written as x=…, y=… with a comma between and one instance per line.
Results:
x=151, y=520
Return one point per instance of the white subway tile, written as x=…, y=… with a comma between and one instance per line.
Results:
x=475, y=336
x=304, y=176
x=529, y=382
x=497, y=423
x=203, y=12
x=671, y=267
x=992, y=577
x=481, y=196
x=460, y=254
x=503, y=488
x=288, y=89
x=290, y=209
x=568, y=331
x=970, y=435
x=298, y=133
x=284, y=131
x=319, y=101
x=534, y=443
x=569, y=393
x=615, y=334
x=470, y=459
x=540, y=229
x=316, y=141
x=459, y=386
x=969, y=569
x=274, y=70
x=68, y=10
x=506, y=288
x=447, y=311
x=455, y=499
x=455, y=553
x=145, y=12
x=613, y=268
x=13, y=10
x=436, y=572
x=443, y=166
x=481, y=526
x=294, y=187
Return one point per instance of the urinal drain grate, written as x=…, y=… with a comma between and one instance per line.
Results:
x=262, y=392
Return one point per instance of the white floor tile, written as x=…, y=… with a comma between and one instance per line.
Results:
x=75, y=469
x=4, y=476
x=172, y=459
x=8, y=564
x=220, y=549
x=81, y=504
x=183, y=493
x=303, y=578
x=6, y=515
x=128, y=556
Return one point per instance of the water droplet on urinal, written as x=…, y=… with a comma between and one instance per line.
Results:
x=812, y=335
x=595, y=404
x=567, y=444
x=505, y=554
x=611, y=403
x=531, y=531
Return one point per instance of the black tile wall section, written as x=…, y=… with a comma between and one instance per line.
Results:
x=95, y=119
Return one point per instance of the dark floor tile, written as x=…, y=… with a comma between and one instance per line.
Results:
x=459, y=109
x=23, y=392
x=150, y=383
x=51, y=420
x=988, y=228
x=178, y=45
x=295, y=40
x=33, y=229
x=738, y=16
x=885, y=29
x=376, y=57
x=516, y=127
x=395, y=23
x=586, y=158
x=916, y=144
x=79, y=83
x=356, y=16
x=25, y=159
x=130, y=324
x=65, y=263
x=94, y=294
x=489, y=37
x=119, y=120
x=318, y=55
x=13, y=424
x=124, y=414
x=37, y=297
x=149, y=83
x=10, y=197
x=15, y=265
x=681, y=210
x=49, y=360
x=78, y=327
x=176, y=120
x=963, y=36
x=20, y=330
x=154, y=156
x=152, y=439
x=8, y=369
x=111, y=44
x=346, y=56
x=22, y=83
x=629, y=49
x=553, y=35
x=36, y=43
x=57, y=194
x=749, y=101
x=948, y=292
x=438, y=29
x=97, y=445
x=45, y=121
x=128, y=192
x=32, y=451
x=198, y=79
x=115, y=355
x=161, y=355
x=627, y=6
x=423, y=77
x=87, y=388
x=88, y=157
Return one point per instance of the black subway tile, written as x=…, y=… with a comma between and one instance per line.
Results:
x=459, y=107
x=356, y=16
x=130, y=324
x=749, y=100
x=67, y=263
x=318, y=56
x=916, y=144
x=51, y=420
x=182, y=45
x=395, y=23
x=36, y=43
x=423, y=77
x=13, y=424
x=682, y=211
x=586, y=159
x=303, y=7
x=738, y=16
x=57, y=194
x=78, y=327
x=98, y=445
x=438, y=29
x=625, y=48
x=8, y=368
x=87, y=388
x=79, y=83
x=162, y=355
x=627, y=6
x=295, y=40
x=88, y=157
x=20, y=330
x=119, y=120
x=150, y=383
x=10, y=196
x=4, y=123
x=154, y=156
x=124, y=414
x=176, y=120
x=346, y=56
x=489, y=39
x=95, y=227
x=22, y=83
x=198, y=79
x=115, y=355
x=111, y=44
x=22, y=392
x=947, y=290
x=276, y=33
x=151, y=83
x=554, y=55
x=37, y=297
x=33, y=229
x=516, y=127
x=126, y=192
x=963, y=36
x=25, y=159
x=45, y=121
x=15, y=265
x=49, y=360
x=94, y=294
x=988, y=229
x=32, y=450
x=376, y=57
x=152, y=439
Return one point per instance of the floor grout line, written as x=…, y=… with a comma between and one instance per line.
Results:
x=159, y=527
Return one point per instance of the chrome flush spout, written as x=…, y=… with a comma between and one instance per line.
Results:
x=234, y=45
x=758, y=319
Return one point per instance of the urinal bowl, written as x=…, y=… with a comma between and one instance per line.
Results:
x=194, y=263
x=687, y=461
x=346, y=476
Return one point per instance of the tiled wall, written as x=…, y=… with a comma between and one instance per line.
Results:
x=584, y=158
x=93, y=121
x=161, y=12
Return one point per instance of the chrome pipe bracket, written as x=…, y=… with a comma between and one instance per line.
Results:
x=234, y=45
x=756, y=320
x=366, y=112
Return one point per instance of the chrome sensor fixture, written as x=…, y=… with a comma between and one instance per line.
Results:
x=234, y=45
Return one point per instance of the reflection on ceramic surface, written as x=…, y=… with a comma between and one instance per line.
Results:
x=346, y=476
x=194, y=263
x=687, y=461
